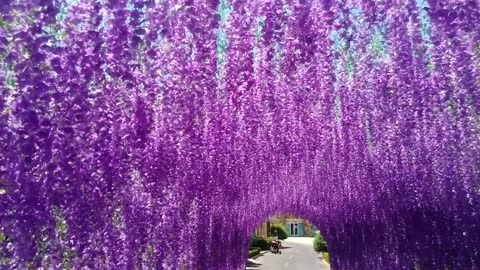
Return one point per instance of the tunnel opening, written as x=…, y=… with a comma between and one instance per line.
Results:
x=296, y=237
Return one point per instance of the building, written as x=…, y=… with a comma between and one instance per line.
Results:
x=299, y=227
x=263, y=230
x=296, y=227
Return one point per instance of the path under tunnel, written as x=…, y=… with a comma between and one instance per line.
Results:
x=297, y=254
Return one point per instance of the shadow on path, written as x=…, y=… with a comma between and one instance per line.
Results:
x=297, y=254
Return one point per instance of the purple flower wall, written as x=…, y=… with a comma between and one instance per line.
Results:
x=142, y=134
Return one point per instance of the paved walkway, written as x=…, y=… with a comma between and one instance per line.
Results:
x=297, y=254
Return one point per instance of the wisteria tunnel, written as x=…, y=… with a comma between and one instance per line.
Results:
x=156, y=134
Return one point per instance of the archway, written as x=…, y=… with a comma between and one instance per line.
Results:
x=287, y=242
x=156, y=134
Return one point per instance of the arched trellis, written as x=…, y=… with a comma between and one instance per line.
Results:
x=155, y=134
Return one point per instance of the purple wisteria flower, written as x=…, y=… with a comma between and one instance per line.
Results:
x=143, y=134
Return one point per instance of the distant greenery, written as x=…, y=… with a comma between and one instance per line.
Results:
x=326, y=257
x=3, y=256
x=61, y=226
x=259, y=242
x=319, y=243
x=252, y=252
x=3, y=183
x=281, y=231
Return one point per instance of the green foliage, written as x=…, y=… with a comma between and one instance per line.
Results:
x=260, y=242
x=60, y=223
x=253, y=252
x=3, y=182
x=4, y=260
x=377, y=46
x=117, y=217
x=281, y=231
x=42, y=244
x=3, y=237
x=61, y=226
x=67, y=254
x=326, y=257
x=319, y=244
x=4, y=24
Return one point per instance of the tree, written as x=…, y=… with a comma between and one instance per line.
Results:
x=281, y=231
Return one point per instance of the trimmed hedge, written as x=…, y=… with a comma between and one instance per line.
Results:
x=281, y=231
x=260, y=242
x=253, y=252
x=319, y=244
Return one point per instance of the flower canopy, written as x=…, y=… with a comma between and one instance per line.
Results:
x=156, y=134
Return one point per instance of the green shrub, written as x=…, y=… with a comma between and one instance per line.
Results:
x=319, y=244
x=260, y=242
x=281, y=231
x=326, y=257
x=253, y=252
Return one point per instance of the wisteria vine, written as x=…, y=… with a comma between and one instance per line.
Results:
x=156, y=134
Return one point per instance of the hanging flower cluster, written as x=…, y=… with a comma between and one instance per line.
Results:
x=146, y=134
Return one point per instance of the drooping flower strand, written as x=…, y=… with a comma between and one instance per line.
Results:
x=136, y=133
